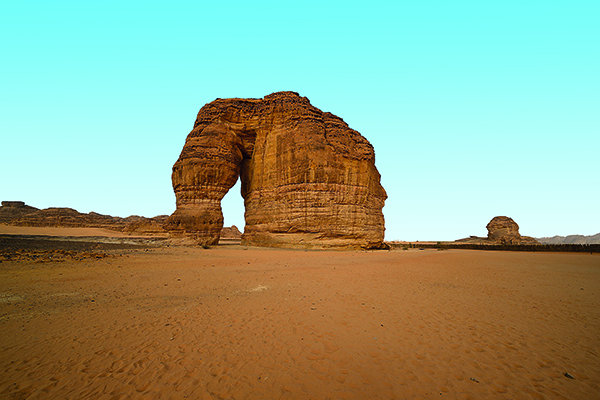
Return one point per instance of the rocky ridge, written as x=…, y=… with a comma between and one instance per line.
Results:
x=17, y=213
x=571, y=239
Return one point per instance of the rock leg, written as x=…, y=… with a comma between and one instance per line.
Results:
x=207, y=168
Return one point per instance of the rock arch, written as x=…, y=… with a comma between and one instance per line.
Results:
x=308, y=180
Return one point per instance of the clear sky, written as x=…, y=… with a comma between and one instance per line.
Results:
x=475, y=108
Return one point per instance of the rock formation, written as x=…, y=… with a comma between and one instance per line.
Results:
x=504, y=230
x=308, y=180
x=15, y=204
x=12, y=210
x=231, y=235
x=501, y=230
x=17, y=213
x=571, y=239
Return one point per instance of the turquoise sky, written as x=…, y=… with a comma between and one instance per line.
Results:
x=475, y=108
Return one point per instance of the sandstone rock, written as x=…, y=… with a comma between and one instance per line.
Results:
x=20, y=214
x=308, y=180
x=504, y=230
x=65, y=217
x=13, y=204
x=571, y=239
x=12, y=210
x=143, y=225
x=232, y=233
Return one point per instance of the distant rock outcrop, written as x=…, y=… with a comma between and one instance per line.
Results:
x=12, y=210
x=571, y=239
x=231, y=235
x=17, y=213
x=14, y=204
x=504, y=230
x=308, y=180
x=501, y=230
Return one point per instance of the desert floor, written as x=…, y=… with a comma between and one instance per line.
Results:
x=250, y=323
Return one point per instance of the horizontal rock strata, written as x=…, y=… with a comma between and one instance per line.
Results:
x=308, y=180
x=20, y=214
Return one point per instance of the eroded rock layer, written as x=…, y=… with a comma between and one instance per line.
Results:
x=17, y=213
x=308, y=180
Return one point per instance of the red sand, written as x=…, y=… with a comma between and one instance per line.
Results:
x=58, y=231
x=235, y=323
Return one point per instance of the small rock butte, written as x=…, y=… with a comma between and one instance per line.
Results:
x=504, y=230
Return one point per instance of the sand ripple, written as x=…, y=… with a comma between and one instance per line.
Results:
x=272, y=324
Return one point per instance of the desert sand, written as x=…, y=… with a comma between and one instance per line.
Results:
x=232, y=322
x=70, y=232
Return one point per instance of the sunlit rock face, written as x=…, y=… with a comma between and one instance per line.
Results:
x=505, y=230
x=308, y=180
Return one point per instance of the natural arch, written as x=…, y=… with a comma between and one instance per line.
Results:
x=307, y=179
x=233, y=207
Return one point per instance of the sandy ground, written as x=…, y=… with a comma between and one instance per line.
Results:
x=57, y=231
x=244, y=323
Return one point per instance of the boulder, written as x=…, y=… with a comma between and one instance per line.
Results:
x=308, y=180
